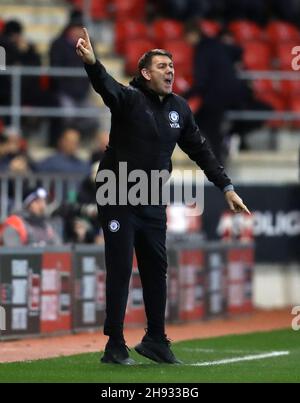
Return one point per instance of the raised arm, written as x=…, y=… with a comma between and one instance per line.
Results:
x=112, y=92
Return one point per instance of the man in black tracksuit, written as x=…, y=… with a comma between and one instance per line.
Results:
x=148, y=120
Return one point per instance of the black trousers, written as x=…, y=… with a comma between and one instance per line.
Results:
x=142, y=228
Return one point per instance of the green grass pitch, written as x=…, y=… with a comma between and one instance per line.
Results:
x=257, y=357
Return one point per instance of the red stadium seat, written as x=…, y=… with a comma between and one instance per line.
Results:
x=280, y=31
x=277, y=102
x=182, y=83
x=284, y=55
x=44, y=82
x=2, y=23
x=164, y=29
x=245, y=31
x=133, y=51
x=127, y=30
x=289, y=88
x=210, y=28
x=257, y=55
x=284, y=88
x=99, y=9
x=294, y=106
x=262, y=86
x=294, y=86
x=134, y=9
x=183, y=56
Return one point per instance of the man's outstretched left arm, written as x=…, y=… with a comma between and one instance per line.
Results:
x=196, y=147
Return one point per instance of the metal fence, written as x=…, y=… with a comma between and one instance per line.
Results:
x=61, y=188
x=16, y=111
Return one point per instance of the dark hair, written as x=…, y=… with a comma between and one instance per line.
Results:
x=146, y=60
x=12, y=27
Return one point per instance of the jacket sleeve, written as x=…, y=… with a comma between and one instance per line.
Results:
x=112, y=92
x=196, y=147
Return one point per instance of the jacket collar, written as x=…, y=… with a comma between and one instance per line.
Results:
x=139, y=83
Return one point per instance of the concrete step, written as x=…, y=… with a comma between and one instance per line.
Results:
x=264, y=166
x=28, y=14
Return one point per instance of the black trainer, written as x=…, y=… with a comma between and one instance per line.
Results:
x=116, y=352
x=157, y=349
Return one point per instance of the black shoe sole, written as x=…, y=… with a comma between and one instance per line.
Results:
x=145, y=352
x=112, y=360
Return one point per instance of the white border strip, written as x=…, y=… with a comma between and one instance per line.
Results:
x=240, y=359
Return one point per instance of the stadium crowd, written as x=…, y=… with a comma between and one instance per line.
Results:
x=211, y=40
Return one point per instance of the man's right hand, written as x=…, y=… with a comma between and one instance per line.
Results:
x=84, y=48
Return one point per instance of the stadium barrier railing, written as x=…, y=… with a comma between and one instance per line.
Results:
x=16, y=111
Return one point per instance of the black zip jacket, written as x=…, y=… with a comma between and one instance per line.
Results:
x=145, y=130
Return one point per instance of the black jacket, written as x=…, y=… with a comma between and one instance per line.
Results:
x=62, y=55
x=145, y=130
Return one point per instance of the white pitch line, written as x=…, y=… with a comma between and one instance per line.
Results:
x=240, y=359
x=199, y=350
x=211, y=350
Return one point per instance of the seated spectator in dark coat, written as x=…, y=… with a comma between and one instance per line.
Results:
x=31, y=225
x=19, y=52
x=66, y=160
x=70, y=92
x=13, y=153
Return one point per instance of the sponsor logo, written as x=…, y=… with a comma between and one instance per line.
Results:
x=174, y=119
x=261, y=223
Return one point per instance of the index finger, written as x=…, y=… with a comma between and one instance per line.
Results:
x=86, y=34
x=246, y=209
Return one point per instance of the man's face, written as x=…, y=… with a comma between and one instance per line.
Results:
x=69, y=143
x=38, y=207
x=160, y=75
x=74, y=33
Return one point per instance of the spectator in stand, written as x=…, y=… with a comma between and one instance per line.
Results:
x=66, y=159
x=13, y=152
x=69, y=92
x=219, y=89
x=14, y=160
x=215, y=81
x=19, y=52
x=81, y=222
x=30, y=226
x=101, y=143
